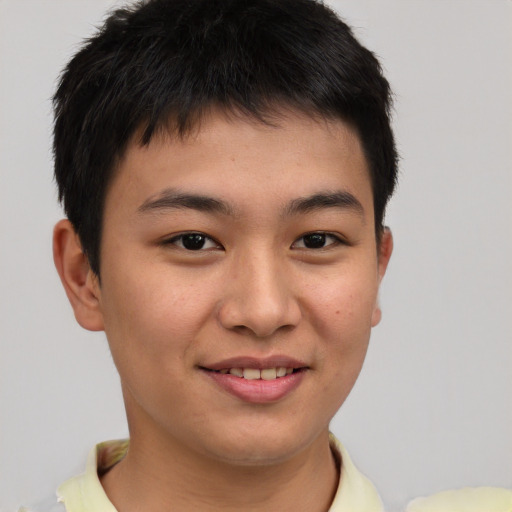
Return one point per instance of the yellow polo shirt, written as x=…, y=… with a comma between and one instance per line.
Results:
x=84, y=493
x=469, y=499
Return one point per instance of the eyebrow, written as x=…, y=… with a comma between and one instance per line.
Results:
x=341, y=199
x=171, y=199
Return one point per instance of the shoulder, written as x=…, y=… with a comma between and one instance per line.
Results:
x=469, y=499
x=50, y=504
x=84, y=492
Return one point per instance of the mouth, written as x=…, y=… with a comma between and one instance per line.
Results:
x=257, y=381
x=256, y=373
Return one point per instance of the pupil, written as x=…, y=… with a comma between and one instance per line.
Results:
x=314, y=241
x=193, y=241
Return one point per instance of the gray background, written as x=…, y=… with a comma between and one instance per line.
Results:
x=432, y=408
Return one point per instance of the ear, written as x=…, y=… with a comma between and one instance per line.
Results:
x=80, y=282
x=385, y=249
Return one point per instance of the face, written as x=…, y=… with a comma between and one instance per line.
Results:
x=239, y=279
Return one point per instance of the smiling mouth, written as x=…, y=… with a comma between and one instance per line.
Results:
x=257, y=374
x=257, y=381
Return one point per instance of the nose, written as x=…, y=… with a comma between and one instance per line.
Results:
x=259, y=298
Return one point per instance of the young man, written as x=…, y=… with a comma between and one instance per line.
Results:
x=225, y=167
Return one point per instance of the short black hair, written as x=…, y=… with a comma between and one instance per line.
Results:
x=160, y=64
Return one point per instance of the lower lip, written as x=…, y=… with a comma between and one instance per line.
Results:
x=257, y=391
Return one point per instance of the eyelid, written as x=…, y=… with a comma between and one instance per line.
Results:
x=173, y=239
x=338, y=240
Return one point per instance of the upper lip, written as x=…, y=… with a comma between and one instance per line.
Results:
x=260, y=363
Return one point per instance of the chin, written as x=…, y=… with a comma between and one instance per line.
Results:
x=260, y=447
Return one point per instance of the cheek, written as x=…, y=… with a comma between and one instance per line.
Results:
x=151, y=325
x=154, y=313
x=345, y=306
x=343, y=326
x=343, y=319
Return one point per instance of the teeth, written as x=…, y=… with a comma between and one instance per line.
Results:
x=252, y=373
x=255, y=374
x=269, y=374
x=281, y=371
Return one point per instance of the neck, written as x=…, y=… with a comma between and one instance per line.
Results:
x=160, y=474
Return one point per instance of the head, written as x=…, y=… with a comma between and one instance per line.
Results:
x=162, y=65
x=225, y=167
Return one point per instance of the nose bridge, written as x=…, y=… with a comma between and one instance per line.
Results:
x=260, y=295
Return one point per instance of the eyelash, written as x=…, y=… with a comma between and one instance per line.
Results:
x=175, y=240
x=336, y=240
x=178, y=241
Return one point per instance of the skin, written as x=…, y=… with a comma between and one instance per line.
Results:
x=255, y=289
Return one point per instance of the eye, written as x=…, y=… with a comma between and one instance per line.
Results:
x=318, y=240
x=193, y=242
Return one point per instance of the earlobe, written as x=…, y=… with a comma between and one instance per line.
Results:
x=376, y=315
x=79, y=281
x=385, y=250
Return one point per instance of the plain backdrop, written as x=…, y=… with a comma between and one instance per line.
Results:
x=432, y=407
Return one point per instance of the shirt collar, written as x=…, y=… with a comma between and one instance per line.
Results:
x=84, y=493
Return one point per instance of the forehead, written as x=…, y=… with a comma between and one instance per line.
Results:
x=245, y=159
